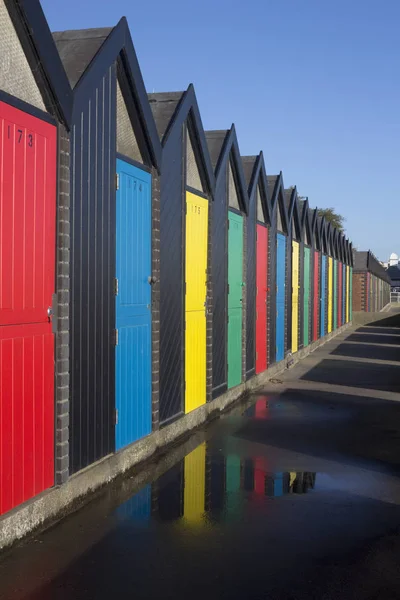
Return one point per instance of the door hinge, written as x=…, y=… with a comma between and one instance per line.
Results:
x=115, y=337
x=115, y=416
x=228, y=288
x=117, y=181
x=115, y=286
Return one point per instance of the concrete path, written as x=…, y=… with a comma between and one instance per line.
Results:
x=293, y=495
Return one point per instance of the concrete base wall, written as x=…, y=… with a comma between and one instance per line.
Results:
x=363, y=318
x=56, y=503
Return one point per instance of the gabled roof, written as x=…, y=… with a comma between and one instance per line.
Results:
x=294, y=213
x=171, y=110
x=316, y=233
x=254, y=172
x=77, y=49
x=223, y=145
x=323, y=232
x=329, y=240
x=276, y=191
x=41, y=52
x=341, y=246
x=335, y=242
x=306, y=220
x=88, y=53
x=215, y=141
x=351, y=254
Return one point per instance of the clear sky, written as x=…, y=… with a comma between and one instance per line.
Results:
x=315, y=84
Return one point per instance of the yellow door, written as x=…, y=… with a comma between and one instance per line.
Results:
x=330, y=293
x=195, y=484
x=196, y=291
x=347, y=293
x=295, y=296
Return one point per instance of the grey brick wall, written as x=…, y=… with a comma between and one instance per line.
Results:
x=61, y=315
x=155, y=301
x=244, y=299
x=210, y=305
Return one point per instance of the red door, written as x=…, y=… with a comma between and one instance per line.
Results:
x=27, y=268
x=316, y=296
x=340, y=269
x=261, y=299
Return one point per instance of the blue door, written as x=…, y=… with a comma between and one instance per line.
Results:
x=280, y=296
x=323, y=295
x=133, y=305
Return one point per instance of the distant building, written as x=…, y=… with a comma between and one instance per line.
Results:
x=371, y=283
x=393, y=270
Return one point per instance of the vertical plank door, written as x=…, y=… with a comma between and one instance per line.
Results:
x=307, y=258
x=316, y=300
x=330, y=293
x=295, y=295
x=28, y=163
x=280, y=296
x=323, y=296
x=133, y=305
x=195, y=300
x=261, y=298
x=235, y=298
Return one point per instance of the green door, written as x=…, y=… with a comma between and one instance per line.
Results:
x=235, y=295
x=307, y=258
x=335, y=279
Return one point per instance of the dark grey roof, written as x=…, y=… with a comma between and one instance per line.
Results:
x=301, y=207
x=77, y=48
x=215, y=141
x=164, y=106
x=288, y=197
x=360, y=260
x=366, y=261
x=248, y=163
x=271, y=179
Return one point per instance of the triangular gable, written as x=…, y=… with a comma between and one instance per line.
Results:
x=340, y=246
x=305, y=222
x=316, y=230
x=233, y=196
x=88, y=55
x=193, y=168
x=278, y=202
x=127, y=143
x=254, y=170
x=30, y=67
x=323, y=238
x=175, y=110
x=334, y=242
x=229, y=158
x=295, y=217
x=329, y=239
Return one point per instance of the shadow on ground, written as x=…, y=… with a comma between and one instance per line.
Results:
x=390, y=321
x=374, y=338
x=367, y=351
x=368, y=375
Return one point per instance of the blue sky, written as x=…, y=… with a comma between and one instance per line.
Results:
x=315, y=84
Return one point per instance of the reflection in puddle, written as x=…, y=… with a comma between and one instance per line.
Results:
x=258, y=410
x=207, y=485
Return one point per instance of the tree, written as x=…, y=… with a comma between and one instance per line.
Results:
x=332, y=217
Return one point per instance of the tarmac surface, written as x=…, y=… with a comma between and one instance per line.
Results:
x=295, y=494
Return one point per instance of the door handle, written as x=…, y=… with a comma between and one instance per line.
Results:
x=151, y=279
